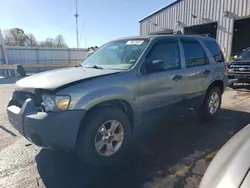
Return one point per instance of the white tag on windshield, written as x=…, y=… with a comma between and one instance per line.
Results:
x=134, y=42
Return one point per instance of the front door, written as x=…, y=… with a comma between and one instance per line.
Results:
x=161, y=88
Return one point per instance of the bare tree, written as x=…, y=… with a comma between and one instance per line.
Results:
x=49, y=42
x=15, y=37
x=57, y=42
x=60, y=42
x=7, y=39
x=31, y=40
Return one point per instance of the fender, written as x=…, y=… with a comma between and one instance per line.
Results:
x=111, y=93
x=217, y=76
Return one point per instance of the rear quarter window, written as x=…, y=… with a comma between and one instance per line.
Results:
x=215, y=50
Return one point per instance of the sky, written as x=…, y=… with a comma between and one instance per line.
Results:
x=99, y=20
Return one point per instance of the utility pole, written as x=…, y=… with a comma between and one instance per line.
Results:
x=77, y=15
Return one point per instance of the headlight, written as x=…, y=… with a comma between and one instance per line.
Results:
x=53, y=103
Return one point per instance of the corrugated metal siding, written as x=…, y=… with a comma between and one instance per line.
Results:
x=28, y=55
x=1, y=62
x=16, y=55
x=1, y=58
x=208, y=11
x=31, y=55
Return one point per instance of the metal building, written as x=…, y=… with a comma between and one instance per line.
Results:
x=226, y=20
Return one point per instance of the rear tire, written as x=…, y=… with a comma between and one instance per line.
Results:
x=211, y=104
x=97, y=137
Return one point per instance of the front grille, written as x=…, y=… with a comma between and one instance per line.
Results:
x=22, y=95
x=19, y=97
x=240, y=68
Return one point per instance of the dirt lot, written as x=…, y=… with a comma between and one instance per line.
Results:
x=173, y=152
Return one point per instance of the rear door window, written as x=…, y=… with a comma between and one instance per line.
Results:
x=194, y=53
x=215, y=50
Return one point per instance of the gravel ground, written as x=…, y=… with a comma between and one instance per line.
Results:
x=173, y=152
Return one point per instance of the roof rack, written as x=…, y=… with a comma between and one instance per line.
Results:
x=166, y=32
x=171, y=32
x=202, y=35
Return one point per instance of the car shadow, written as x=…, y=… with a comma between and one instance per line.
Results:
x=156, y=145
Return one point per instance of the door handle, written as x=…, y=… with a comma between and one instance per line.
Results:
x=207, y=72
x=177, y=77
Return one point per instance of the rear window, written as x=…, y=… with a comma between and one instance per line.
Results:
x=215, y=50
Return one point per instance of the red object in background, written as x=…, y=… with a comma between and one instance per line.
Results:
x=227, y=67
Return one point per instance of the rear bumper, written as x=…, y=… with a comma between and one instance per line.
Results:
x=56, y=130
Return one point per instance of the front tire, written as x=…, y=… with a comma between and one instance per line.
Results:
x=211, y=104
x=104, y=137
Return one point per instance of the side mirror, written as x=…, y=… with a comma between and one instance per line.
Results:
x=155, y=66
x=132, y=61
x=235, y=57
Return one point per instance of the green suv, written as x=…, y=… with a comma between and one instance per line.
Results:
x=93, y=109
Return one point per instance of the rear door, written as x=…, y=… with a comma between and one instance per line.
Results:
x=197, y=69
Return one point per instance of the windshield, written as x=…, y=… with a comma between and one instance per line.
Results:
x=245, y=54
x=122, y=54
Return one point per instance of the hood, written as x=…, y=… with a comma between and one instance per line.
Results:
x=56, y=78
x=241, y=62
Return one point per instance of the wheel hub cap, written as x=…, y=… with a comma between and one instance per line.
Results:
x=214, y=103
x=109, y=138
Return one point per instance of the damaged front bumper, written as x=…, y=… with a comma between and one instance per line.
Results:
x=56, y=130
